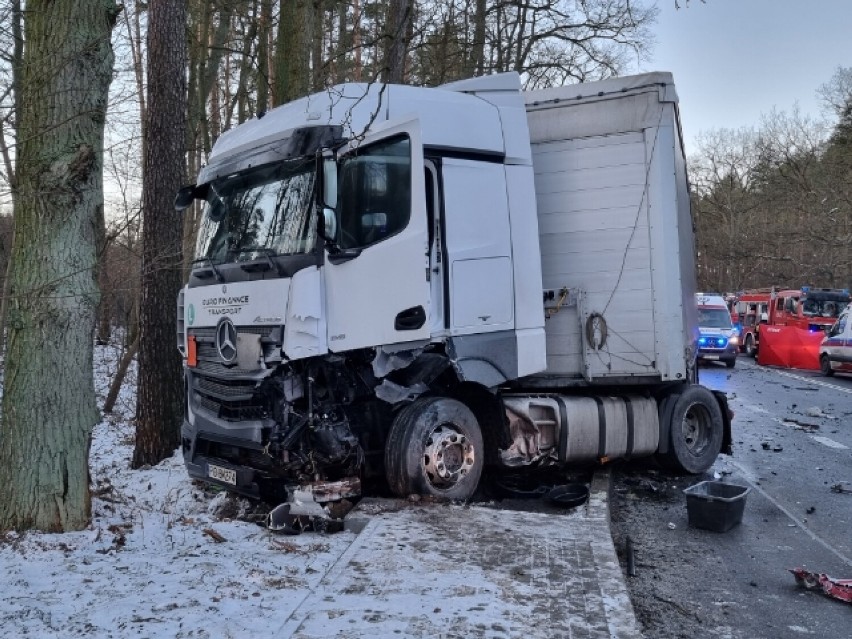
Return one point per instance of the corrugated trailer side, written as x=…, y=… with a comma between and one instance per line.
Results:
x=613, y=203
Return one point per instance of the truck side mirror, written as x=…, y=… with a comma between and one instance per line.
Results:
x=185, y=197
x=326, y=176
x=326, y=194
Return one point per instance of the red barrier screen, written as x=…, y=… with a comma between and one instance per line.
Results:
x=789, y=347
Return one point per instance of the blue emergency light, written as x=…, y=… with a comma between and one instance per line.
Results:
x=713, y=342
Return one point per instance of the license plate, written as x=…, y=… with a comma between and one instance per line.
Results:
x=222, y=474
x=711, y=357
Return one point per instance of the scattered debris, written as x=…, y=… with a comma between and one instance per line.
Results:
x=672, y=525
x=631, y=558
x=840, y=589
x=816, y=411
x=777, y=448
x=214, y=535
x=841, y=488
x=811, y=510
x=800, y=425
x=568, y=495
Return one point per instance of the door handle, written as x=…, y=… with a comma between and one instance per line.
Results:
x=410, y=319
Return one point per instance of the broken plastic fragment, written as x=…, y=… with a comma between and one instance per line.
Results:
x=840, y=589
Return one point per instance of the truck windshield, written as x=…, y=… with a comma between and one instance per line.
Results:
x=259, y=212
x=714, y=318
x=820, y=308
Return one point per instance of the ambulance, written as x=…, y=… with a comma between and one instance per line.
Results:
x=835, y=352
x=717, y=339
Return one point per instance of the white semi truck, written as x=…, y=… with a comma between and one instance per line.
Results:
x=419, y=282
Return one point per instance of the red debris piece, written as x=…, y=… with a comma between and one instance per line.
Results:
x=838, y=588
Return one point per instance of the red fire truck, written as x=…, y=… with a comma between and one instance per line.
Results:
x=808, y=308
x=812, y=309
x=752, y=308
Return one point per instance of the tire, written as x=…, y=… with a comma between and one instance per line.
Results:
x=730, y=363
x=825, y=365
x=750, y=350
x=696, y=431
x=435, y=448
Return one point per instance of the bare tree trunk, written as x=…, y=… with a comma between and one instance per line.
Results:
x=399, y=14
x=316, y=46
x=477, y=56
x=17, y=55
x=292, y=72
x=160, y=389
x=263, y=34
x=49, y=406
x=120, y=374
x=102, y=334
x=344, y=42
x=356, y=40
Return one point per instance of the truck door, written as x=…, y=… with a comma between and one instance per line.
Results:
x=376, y=277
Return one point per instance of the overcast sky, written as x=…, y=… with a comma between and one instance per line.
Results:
x=734, y=60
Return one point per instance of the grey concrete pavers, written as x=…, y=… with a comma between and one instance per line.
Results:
x=448, y=570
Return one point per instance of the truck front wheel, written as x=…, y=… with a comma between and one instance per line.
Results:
x=434, y=448
x=750, y=350
x=695, y=431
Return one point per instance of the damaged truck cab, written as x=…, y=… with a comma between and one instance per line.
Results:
x=415, y=282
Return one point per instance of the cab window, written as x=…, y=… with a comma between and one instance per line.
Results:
x=374, y=197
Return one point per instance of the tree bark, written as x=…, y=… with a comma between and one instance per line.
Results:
x=292, y=73
x=49, y=407
x=160, y=389
x=399, y=14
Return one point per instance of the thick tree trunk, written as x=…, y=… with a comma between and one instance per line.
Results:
x=477, y=58
x=49, y=405
x=292, y=74
x=160, y=390
x=399, y=15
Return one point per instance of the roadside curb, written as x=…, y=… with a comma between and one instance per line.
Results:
x=599, y=494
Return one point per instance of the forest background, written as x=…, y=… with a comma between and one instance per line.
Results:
x=771, y=203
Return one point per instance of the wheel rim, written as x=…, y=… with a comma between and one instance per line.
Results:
x=448, y=457
x=697, y=430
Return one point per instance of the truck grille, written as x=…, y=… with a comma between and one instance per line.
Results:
x=230, y=392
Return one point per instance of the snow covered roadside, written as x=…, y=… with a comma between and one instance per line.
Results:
x=161, y=557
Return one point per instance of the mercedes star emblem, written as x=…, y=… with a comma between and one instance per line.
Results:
x=226, y=341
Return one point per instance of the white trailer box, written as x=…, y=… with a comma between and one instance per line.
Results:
x=618, y=271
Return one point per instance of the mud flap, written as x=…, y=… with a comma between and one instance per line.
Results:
x=727, y=416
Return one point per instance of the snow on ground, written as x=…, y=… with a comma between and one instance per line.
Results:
x=161, y=558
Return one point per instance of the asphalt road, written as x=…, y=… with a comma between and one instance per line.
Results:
x=792, y=443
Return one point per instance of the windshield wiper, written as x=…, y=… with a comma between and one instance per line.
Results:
x=216, y=271
x=268, y=253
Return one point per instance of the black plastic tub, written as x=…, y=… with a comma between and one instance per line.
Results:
x=714, y=505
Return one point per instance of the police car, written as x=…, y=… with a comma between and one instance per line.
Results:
x=835, y=352
x=717, y=339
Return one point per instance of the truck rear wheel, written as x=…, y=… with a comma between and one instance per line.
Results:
x=696, y=429
x=434, y=448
